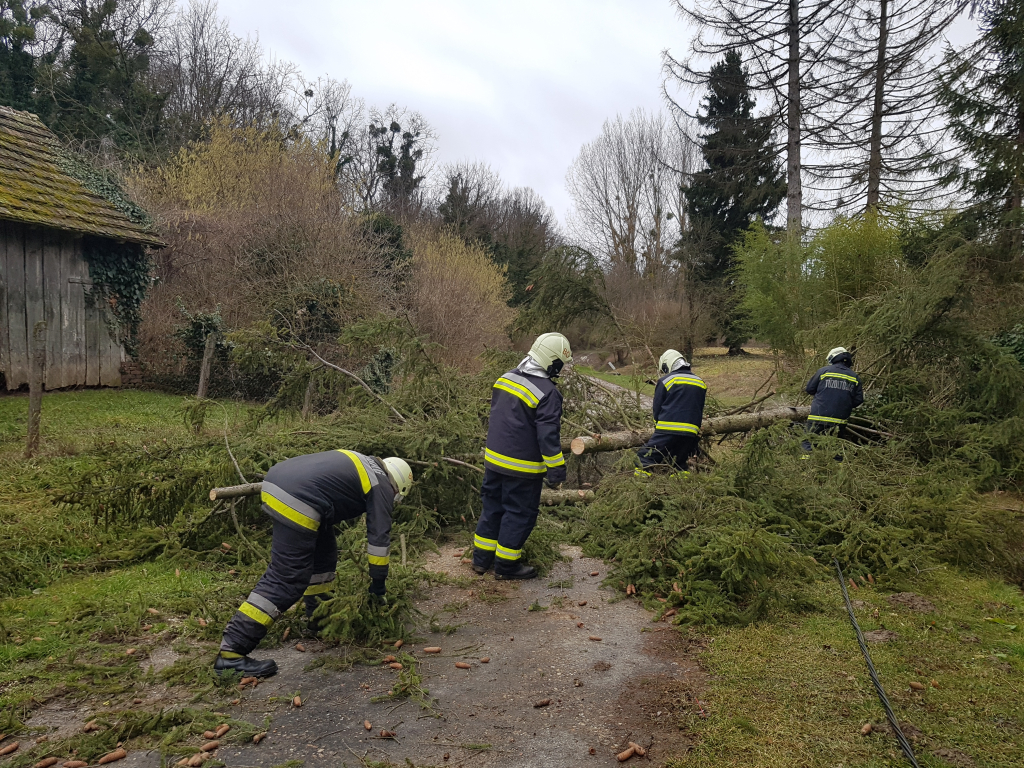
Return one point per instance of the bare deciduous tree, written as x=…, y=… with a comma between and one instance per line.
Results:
x=207, y=71
x=784, y=44
x=881, y=125
x=626, y=191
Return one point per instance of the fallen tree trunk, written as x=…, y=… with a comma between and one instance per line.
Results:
x=551, y=498
x=740, y=422
x=547, y=497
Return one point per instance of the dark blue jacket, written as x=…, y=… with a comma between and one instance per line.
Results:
x=524, y=435
x=326, y=488
x=679, y=403
x=837, y=391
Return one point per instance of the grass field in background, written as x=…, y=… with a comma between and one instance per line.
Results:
x=731, y=381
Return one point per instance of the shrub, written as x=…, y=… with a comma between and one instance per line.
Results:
x=459, y=298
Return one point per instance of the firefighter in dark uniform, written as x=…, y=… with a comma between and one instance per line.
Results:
x=678, y=412
x=837, y=391
x=524, y=450
x=306, y=497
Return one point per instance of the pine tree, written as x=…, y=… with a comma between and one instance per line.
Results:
x=982, y=89
x=741, y=179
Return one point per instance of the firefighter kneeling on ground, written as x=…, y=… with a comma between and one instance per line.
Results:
x=678, y=412
x=524, y=450
x=837, y=391
x=306, y=497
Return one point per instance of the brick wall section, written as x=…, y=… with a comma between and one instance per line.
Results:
x=131, y=375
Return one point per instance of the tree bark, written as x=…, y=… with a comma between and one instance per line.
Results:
x=875, y=152
x=740, y=422
x=204, y=370
x=794, y=192
x=548, y=497
x=36, y=376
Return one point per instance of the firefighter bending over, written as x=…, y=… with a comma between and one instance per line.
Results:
x=678, y=412
x=306, y=497
x=524, y=450
x=837, y=391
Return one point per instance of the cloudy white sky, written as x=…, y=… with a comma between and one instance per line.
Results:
x=519, y=84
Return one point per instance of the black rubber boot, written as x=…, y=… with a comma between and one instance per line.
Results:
x=517, y=572
x=483, y=561
x=248, y=667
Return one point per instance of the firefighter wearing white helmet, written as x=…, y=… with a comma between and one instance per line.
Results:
x=678, y=413
x=524, y=450
x=837, y=391
x=306, y=497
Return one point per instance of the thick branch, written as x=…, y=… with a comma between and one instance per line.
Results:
x=741, y=422
x=547, y=497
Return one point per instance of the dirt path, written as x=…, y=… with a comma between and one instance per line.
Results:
x=627, y=686
x=631, y=685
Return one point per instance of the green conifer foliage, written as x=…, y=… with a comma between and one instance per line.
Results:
x=741, y=179
x=982, y=89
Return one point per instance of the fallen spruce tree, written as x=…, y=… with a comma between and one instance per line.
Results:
x=720, y=425
x=721, y=546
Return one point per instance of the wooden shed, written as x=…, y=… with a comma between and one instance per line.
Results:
x=46, y=214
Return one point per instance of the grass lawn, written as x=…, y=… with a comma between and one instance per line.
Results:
x=731, y=381
x=795, y=691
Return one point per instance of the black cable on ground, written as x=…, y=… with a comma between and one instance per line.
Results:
x=890, y=716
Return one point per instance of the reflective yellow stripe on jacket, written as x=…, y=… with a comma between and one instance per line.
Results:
x=832, y=375
x=826, y=419
x=364, y=477
x=557, y=460
x=507, y=462
x=677, y=426
x=290, y=508
x=505, y=384
x=683, y=378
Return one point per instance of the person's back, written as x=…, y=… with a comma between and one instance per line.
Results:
x=523, y=451
x=679, y=402
x=836, y=389
x=678, y=413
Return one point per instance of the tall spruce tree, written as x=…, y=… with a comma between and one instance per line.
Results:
x=741, y=179
x=982, y=89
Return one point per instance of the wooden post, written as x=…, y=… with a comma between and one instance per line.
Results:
x=307, y=401
x=37, y=371
x=204, y=371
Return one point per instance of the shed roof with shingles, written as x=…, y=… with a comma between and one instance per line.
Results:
x=35, y=190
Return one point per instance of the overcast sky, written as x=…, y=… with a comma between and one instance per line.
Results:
x=519, y=84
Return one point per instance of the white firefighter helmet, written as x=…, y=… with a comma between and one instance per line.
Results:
x=835, y=353
x=669, y=359
x=551, y=351
x=401, y=476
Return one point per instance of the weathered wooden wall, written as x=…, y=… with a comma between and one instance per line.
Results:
x=44, y=277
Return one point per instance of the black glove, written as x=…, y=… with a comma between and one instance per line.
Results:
x=555, y=477
x=377, y=587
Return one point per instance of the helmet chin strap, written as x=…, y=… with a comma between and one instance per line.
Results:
x=394, y=487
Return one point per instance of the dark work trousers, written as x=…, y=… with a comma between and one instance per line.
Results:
x=666, y=448
x=820, y=428
x=301, y=563
x=511, y=505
